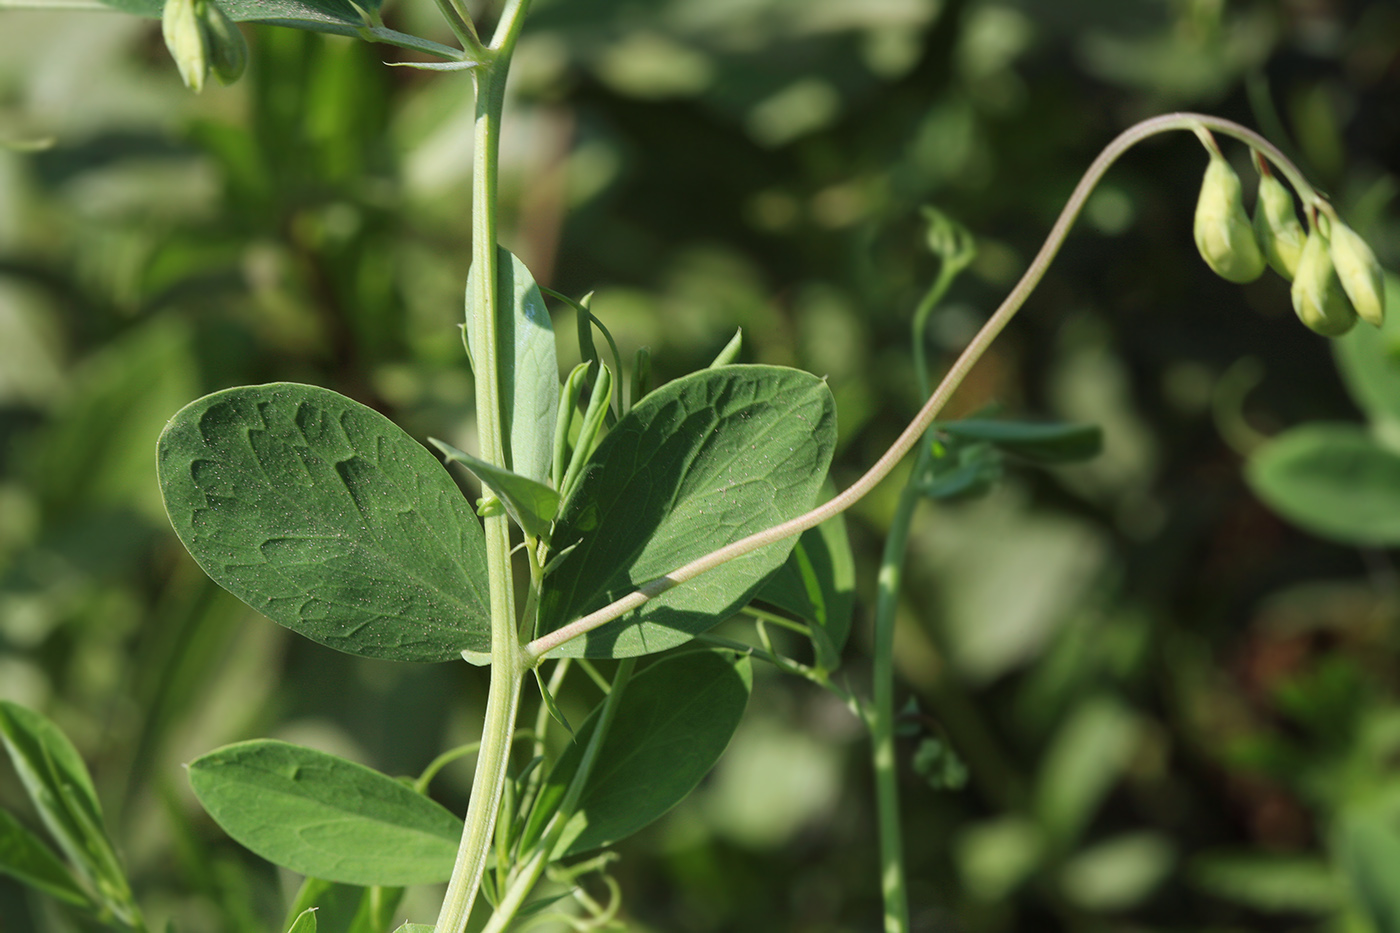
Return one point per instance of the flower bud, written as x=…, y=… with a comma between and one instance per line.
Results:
x=1276, y=226
x=1317, y=295
x=1359, y=273
x=180, y=23
x=228, y=50
x=1223, y=232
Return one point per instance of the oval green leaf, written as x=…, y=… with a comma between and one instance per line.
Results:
x=326, y=817
x=327, y=518
x=703, y=461
x=1332, y=480
x=673, y=722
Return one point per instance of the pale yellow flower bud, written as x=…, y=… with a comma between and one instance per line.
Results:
x=1359, y=273
x=1223, y=232
x=180, y=23
x=1317, y=295
x=1276, y=226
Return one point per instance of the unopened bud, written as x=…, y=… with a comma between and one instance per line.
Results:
x=1276, y=226
x=1317, y=295
x=1359, y=273
x=1223, y=232
x=180, y=23
x=228, y=50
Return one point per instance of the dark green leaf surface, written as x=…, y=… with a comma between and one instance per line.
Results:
x=323, y=816
x=25, y=857
x=1333, y=480
x=673, y=722
x=57, y=781
x=314, y=14
x=817, y=583
x=530, y=504
x=702, y=461
x=528, y=366
x=327, y=518
x=1041, y=443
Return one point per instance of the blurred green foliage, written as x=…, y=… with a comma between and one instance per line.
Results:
x=1175, y=710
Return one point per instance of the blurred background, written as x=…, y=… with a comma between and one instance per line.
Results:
x=1174, y=707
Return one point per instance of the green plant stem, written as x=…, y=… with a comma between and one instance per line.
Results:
x=525, y=878
x=973, y=352
x=507, y=669
x=880, y=714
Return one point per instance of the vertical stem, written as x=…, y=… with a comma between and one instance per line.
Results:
x=507, y=666
x=880, y=720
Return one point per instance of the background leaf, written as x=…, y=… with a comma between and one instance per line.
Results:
x=25, y=857
x=1333, y=480
x=672, y=725
x=1267, y=882
x=57, y=781
x=329, y=519
x=1042, y=443
x=1368, y=848
x=324, y=816
x=1369, y=361
x=700, y=462
x=528, y=366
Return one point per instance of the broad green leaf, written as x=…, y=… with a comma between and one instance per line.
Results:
x=1367, y=840
x=1041, y=443
x=671, y=726
x=305, y=922
x=57, y=781
x=26, y=858
x=1369, y=361
x=701, y=462
x=415, y=928
x=327, y=518
x=817, y=583
x=1332, y=480
x=323, y=816
x=1273, y=883
x=527, y=363
x=532, y=505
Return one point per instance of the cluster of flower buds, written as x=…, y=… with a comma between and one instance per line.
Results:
x=201, y=38
x=1335, y=275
